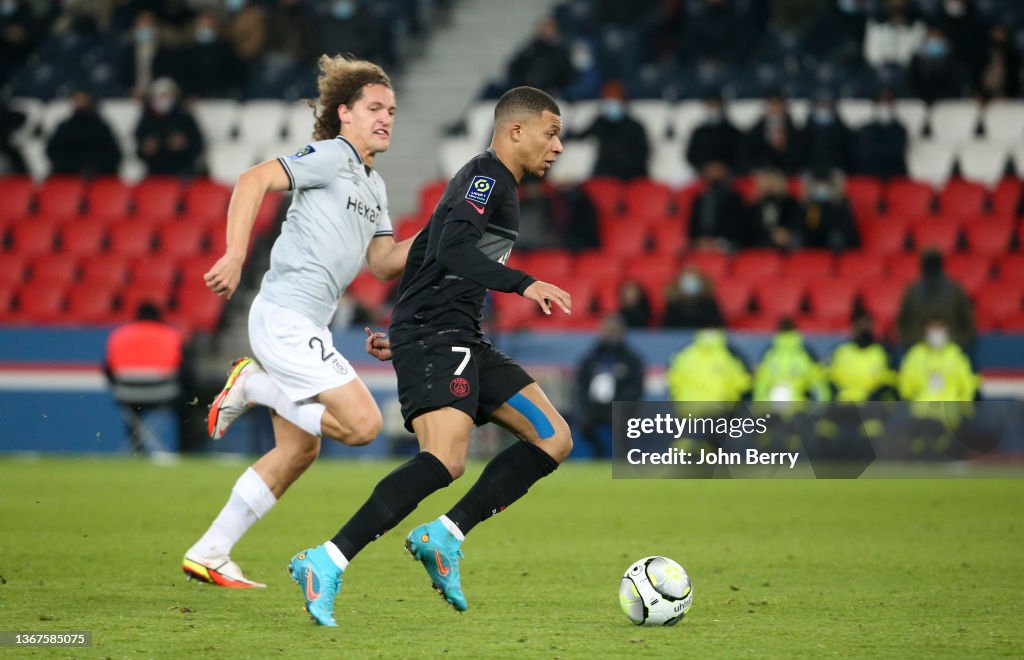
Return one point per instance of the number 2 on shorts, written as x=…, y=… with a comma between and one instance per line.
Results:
x=465, y=360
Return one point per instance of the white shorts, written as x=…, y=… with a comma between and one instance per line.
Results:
x=298, y=354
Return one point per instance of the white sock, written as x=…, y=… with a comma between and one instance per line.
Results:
x=250, y=500
x=260, y=389
x=335, y=555
x=453, y=528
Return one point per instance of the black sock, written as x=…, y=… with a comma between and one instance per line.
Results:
x=504, y=480
x=394, y=497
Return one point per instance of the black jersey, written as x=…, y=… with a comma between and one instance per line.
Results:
x=462, y=251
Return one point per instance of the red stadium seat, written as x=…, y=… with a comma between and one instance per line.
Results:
x=131, y=239
x=942, y=233
x=182, y=238
x=754, y=323
x=757, y=264
x=903, y=268
x=864, y=193
x=684, y=200
x=515, y=315
x=190, y=274
x=12, y=269
x=651, y=199
x=733, y=297
x=153, y=270
x=61, y=196
x=624, y=239
x=105, y=271
x=860, y=266
x=820, y=324
x=670, y=239
x=549, y=265
x=1011, y=268
x=809, y=265
x=1006, y=198
x=408, y=225
x=430, y=195
x=57, y=270
x=996, y=301
x=88, y=304
x=204, y=198
x=15, y=196
x=593, y=266
x=777, y=298
x=969, y=270
x=883, y=237
x=607, y=196
x=990, y=236
x=746, y=187
x=882, y=298
x=265, y=217
x=904, y=197
x=32, y=235
x=963, y=198
x=368, y=290
x=714, y=264
x=1012, y=323
x=134, y=294
x=157, y=197
x=108, y=197
x=39, y=303
x=202, y=311
x=82, y=236
x=832, y=298
x=7, y=300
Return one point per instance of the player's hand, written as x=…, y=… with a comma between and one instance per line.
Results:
x=378, y=345
x=224, y=277
x=544, y=294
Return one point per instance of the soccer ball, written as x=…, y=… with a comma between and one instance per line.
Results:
x=655, y=591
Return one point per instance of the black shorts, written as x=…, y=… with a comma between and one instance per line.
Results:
x=453, y=369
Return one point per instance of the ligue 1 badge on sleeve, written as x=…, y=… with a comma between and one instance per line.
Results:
x=480, y=190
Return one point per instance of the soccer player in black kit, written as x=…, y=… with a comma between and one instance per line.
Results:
x=450, y=377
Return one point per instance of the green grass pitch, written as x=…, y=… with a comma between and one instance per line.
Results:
x=872, y=568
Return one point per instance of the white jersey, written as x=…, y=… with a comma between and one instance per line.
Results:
x=338, y=206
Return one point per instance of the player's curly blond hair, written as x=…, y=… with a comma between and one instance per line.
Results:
x=340, y=82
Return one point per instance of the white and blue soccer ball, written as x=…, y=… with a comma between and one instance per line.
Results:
x=655, y=591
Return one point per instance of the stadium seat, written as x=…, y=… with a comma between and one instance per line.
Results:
x=931, y=161
x=265, y=217
x=192, y=269
x=744, y=113
x=1003, y=120
x=157, y=197
x=1013, y=322
x=855, y=113
x=227, y=161
x=908, y=198
x=624, y=239
x=882, y=298
x=15, y=196
x=961, y=197
x=832, y=299
x=998, y=299
x=104, y=272
x=54, y=269
x=821, y=324
x=971, y=271
x=777, y=298
x=204, y=198
x=13, y=268
x=942, y=233
x=1011, y=268
x=549, y=265
x=8, y=297
x=202, y=311
x=670, y=238
x=153, y=270
x=954, y=120
x=430, y=195
x=754, y=323
x=1006, y=197
x=108, y=197
x=82, y=236
x=182, y=238
x=858, y=266
x=864, y=194
x=983, y=161
x=712, y=263
x=369, y=291
x=122, y=115
x=39, y=303
x=645, y=198
x=756, y=264
x=913, y=114
x=574, y=165
x=808, y=265
x=685, y=197
x=131, y=239
x=733, y=297
x=60, y=196
x=903, y=268
x=883, y=236
x=134, y=294
x=33, y=235
x=667, y=163
x=607, y=196
x=217, y=119
x=87, y=304
x=261, y=121
x=409, y=225
x=298, y=123
x=988, y=236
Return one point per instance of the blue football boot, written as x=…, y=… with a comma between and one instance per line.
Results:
x=439, y=552
x=320, y=579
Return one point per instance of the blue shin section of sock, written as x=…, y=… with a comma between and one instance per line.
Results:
x=530, y=411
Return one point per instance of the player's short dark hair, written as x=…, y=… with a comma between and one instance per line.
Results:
x=520, y=101
x=341, y=82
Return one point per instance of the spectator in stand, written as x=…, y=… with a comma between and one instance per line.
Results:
x=83, y=144
x=212, y=68
x=825, y=219
x=935, y=71
x=587, y=81
x=535, y=210
x=634, y=306
x=622, y=146
x=245, y=28
x=893, y=35
x=715, y=138
x=998, y=75
x=774, y=141
x=351, y=26
x=145, y=57
x=610, y=371
x=168, y=138
x=773, y=213
x=789, y=371
x=717, y=215
x=936, y=368
x=574, y=219
x=859, y=369
x=708, y=370
x=712, y=31
x=22, y=29
x=934, y=295
x=544, y=62
x=290, y=40
x=838, y=33
x=11, y=120
x=690, y=302
x=660, y=31
x=882, y=142
x=965, y=28
x=827, y=141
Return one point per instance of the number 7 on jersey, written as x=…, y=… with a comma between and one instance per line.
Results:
x=465, y=359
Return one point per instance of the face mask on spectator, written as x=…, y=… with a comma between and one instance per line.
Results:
x=886, y=114
x=714, y=116
x=821, y=192
x=936, y=337
x=934, y=48
x=8, y=7
x=145, y=35
x=234, y=5
x=163, y=104
x=205, y=35
x=823, y=116
x=690, y=284
x=582, y=59
x=954, y=8
x=848, y=6
x=613, y=110
x=343, y=9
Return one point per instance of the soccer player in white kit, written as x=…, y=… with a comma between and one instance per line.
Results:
x=338, y=216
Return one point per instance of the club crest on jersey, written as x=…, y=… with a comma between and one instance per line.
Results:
x=459, y=387
x=305, y=151
x=480, y=190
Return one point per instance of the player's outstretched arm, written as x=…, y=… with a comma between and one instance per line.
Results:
x=378, y=345
x=253, y=184
x=385, y=258
x=544, y=294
